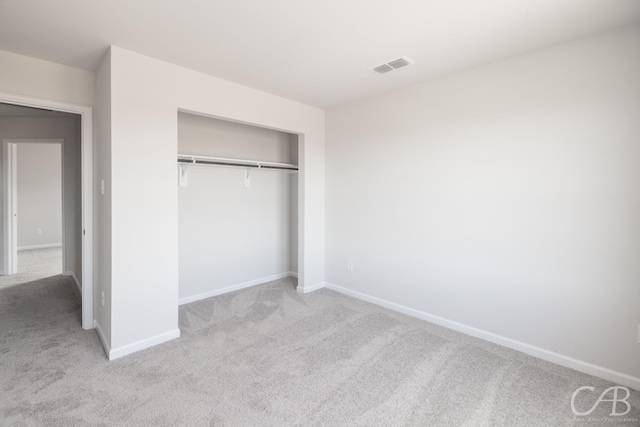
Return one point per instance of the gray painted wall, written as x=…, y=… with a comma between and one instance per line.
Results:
x=39, y=195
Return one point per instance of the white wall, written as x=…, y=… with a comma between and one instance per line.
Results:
x=506, y=198
x=229, y=234
x=222, y=138
x=67, y=129
x=102, y=201
x=23, y=75
x=145, y=95
x=39, y=188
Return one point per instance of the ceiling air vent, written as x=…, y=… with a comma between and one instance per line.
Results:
x=381, y=69
x=391, y=65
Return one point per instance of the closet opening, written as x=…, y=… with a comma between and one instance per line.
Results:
x=237, y=206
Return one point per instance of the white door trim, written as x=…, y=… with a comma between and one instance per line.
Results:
x=10, y=187
x=10, y=206
x=86, y=114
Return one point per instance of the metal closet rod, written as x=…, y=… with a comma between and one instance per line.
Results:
x=221, y=161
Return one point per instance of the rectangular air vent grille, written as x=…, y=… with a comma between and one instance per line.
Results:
x=391, y=65
x=399, y=63
x=381, y=69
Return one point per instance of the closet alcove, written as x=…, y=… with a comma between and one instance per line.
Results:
x=237, y=206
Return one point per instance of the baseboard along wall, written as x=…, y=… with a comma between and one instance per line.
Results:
x=48, y=245
x=125, y=350
x=115, y=353
x=233, y=288
x=540, y=353
x=102, y=337
x=310, y=288
x=75, y=280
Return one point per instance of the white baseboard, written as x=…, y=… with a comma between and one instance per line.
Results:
x=103, y=339
x=540, y=353
x=293, y=274
x=308, y=289
x=48, y=245
x=125, y=350
x=232, y=288
x=132, y=348
x=75, y=280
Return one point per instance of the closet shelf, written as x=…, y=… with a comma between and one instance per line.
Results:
x=222, y=161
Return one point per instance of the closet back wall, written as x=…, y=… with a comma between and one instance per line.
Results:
x=230, y=235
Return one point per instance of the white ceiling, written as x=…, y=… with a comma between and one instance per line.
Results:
x=316, y=52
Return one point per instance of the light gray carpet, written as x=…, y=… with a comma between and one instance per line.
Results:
x=34, y=264
x=268, y=356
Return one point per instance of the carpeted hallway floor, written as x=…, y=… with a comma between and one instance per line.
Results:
x=268, y=356
x=34, y=264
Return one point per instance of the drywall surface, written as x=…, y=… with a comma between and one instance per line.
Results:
x=505, y=198
x=65, y=128
x=230, y=234
x=102, y=201
x=23, y=75
x=221, y=138
x=146, y=95
x=39, y=195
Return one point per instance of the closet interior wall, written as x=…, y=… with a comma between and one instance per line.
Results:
x=230, y=235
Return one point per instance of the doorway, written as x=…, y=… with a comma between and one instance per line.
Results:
x=80, y=182
x=35, y=210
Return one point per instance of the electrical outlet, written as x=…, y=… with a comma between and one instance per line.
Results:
x=102, y=298
x=638, y=334
x=349, y=265
x=39, y=231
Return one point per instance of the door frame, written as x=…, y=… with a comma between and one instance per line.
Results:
x=10, y=244
x=86, y=119
x=10, y=189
